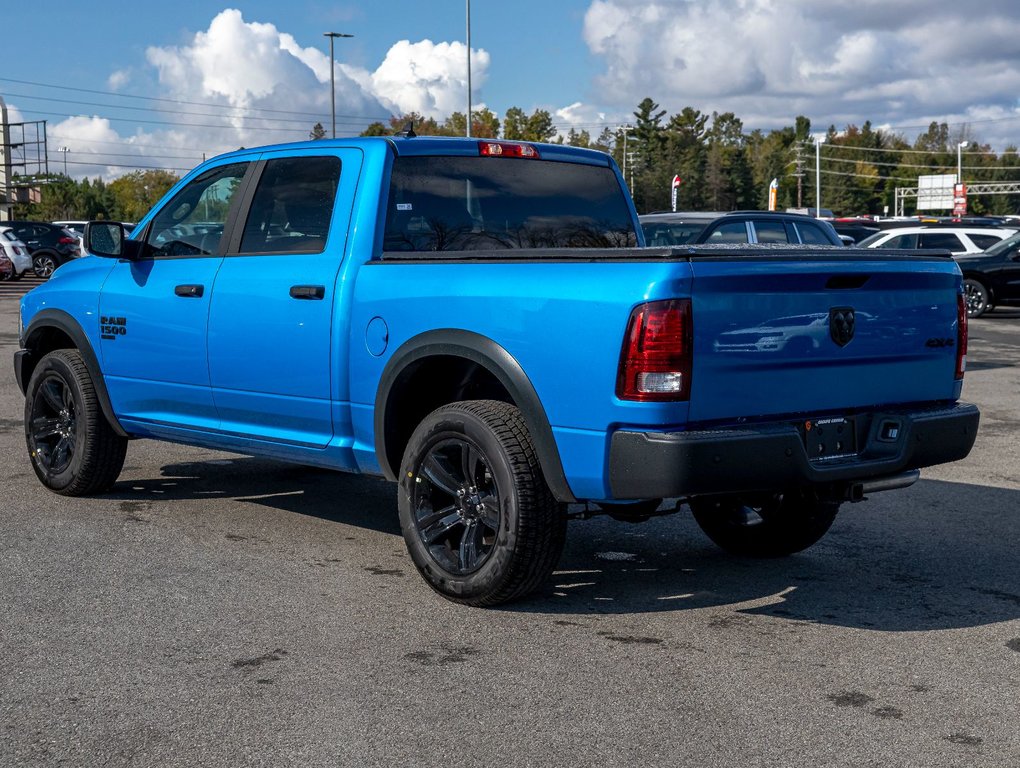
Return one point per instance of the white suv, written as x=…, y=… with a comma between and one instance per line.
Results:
x=958, y=240
x=16, y=251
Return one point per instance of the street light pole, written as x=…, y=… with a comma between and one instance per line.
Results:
x=959, y=160
x=468, y=134
x=332, y=79
x=818, y=176
x=64, y=151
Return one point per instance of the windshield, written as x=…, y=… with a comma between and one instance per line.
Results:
x=476, y=203
x=1004, y=246
x=660, y=233
x=870, y=241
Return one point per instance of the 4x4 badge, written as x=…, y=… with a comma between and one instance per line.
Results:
x=841, y=325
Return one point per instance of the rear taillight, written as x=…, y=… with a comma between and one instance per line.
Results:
x=961, y=336
x=506, y=149
x=67, y=240
x=655, y=364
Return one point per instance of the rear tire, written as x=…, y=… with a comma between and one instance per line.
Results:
x=477, y=516
x=73, y=448
x=765, y=525
x=976, y=297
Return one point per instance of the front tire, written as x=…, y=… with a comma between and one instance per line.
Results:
x=73, y=448
x=477, y=516
x=765, y=525
x=976, y=297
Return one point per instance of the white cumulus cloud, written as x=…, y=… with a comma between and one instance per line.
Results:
x=901, y=64
x=245, y=83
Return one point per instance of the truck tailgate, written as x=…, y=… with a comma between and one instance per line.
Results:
x=811, y=334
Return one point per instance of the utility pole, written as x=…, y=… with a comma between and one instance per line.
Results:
x=6, y=190
x=468, y=134
x=332, y=77
x=799, y=160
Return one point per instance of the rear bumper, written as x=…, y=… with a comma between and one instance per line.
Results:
x=773, y=456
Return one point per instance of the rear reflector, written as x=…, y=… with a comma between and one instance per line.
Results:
x=655, y=363
x=961, y=336
x=506, y=149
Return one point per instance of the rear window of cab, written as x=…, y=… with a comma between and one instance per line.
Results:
x=478, y=203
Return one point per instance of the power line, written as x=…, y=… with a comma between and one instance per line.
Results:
x=291, y=120
x=178, y=101
x=891, y=151
x=171, y=124
x=950, y=166
x=126, y=165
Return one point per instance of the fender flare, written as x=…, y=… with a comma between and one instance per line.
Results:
x=62, y=321
x=503, y=366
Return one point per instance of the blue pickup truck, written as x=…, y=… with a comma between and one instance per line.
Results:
x=479, y=322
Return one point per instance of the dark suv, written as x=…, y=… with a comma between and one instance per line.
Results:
x=49, y=245
x=736, y=227
x=993, y=277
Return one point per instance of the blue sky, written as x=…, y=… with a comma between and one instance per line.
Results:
x=256, y=72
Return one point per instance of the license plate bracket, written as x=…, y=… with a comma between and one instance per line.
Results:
x=830, y=438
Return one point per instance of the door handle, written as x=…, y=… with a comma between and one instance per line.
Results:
x=307, y=291
x=190, y=291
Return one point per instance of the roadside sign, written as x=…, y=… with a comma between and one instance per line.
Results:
x=676, y=185
x=960, y=199
x=773, y=194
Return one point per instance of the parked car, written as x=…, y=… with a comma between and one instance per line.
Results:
x=855, y=228
x=956, y=240
x=16, y=251
x=993, y=277
x=6, y=268
x=664, y=229
x=48, y=244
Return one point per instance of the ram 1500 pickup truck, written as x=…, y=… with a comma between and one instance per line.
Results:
x=477, y=321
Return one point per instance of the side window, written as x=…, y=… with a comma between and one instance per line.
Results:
x=293, y=206
x=191, y=224
x=942, y=240
x=984, y=242
x=770, y=232
x=900, y=241
x=729, y=232
x=812, y=234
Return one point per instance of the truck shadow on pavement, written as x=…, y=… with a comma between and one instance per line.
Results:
x=937, y=556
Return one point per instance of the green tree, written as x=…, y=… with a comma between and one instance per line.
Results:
x=539, y=126
x=515, y=124
x=377, y=129
x=134, y=194
x=317, y=132
x=727, y=171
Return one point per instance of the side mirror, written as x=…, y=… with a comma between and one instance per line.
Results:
x=105, y=238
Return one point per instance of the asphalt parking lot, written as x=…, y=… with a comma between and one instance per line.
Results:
x=219, y=610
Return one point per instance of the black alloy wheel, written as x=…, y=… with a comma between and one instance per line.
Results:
x=477, y=516
x=456, y=507
x=53, y=425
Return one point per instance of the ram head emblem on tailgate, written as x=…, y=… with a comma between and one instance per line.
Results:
x=841, y=325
